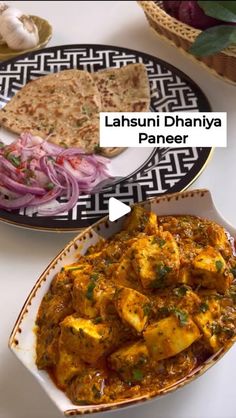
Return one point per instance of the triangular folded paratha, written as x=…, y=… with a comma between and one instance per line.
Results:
x=64, y=107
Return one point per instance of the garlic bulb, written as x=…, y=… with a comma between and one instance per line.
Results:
x=3, y=7
x=18, y=32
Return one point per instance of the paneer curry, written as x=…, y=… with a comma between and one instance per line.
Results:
x=140, y=310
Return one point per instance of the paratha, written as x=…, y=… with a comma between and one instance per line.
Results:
x=124, y=89
x=64, y=107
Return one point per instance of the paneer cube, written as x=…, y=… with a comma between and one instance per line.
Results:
x=142, y=220
x=217, y=237
x=156, y=260
x=132, y=306
x=210, y=270
x=88, y=340
x=68, y=366
x=207, y=321
x=190, y=301
x=130, y=361
x=168, y=337
x=125, y=274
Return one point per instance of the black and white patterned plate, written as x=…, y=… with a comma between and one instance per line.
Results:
x=139, y=173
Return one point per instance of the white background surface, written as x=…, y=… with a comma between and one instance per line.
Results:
x=24, y=254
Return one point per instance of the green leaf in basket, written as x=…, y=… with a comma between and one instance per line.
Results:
x=223, y=10
x=213, y=40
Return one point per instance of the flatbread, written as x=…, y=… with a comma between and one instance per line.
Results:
x=124, y=89
x=64, y=107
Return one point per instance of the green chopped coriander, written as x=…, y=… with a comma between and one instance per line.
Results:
x=180, y=291
x=146, y=309
x=160, y=241
x=181, y=315
x=16, y=161
x=216, y=328
x=49, y=186
x=96, y=392
x=2, y=144
x=164, y=310
x=97, y=320
x=161, y=271
x=137, y=374
x=219, y=265
x=203, y=307
x=90, y=289
x=94, y=276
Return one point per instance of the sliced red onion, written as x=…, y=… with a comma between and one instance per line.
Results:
x=19, y=202
x=52, y=194
x=19, y=187
x=66, y=206
x=44, y=165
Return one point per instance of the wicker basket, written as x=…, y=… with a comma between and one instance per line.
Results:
x=222, y=64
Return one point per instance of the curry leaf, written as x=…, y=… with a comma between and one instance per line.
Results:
x=213, y=40
x=222, y=10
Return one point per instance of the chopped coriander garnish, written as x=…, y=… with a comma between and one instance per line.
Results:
x=49, y=186
x=203, y=307
x=219, y=265
x=1, y=144
x=181, y=315
x=97, y=320
x=91, y=286
x=16, y=161
x=216, y=328
x=63, y=144
x=96, y=392
x=137, y=374
x=180, y=291
x=164, y=310
x=94, y=276
x=79, y=123
x=89, y=291
x=146, y=309
x=160, y=241
x=161, y=271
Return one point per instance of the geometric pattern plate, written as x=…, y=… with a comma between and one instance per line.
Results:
x=165, y=170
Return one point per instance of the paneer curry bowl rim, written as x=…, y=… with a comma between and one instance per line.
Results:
x=195, y=203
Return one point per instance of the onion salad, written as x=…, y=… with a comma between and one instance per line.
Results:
x=34, y=172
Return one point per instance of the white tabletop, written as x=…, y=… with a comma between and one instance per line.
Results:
x=24, y=254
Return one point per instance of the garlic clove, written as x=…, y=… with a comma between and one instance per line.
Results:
x=19, y=33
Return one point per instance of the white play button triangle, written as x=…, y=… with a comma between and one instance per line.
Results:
x=117, y=209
